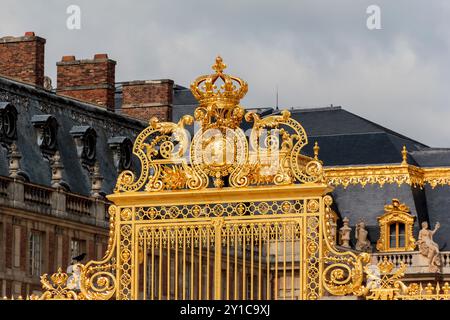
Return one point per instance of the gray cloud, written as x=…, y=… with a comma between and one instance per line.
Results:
x=317, y=52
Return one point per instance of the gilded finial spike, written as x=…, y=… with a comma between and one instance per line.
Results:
x=316, y=151
x=404, y=156
x=219, y=66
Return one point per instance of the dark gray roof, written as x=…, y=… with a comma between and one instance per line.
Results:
x=438, y=205
x=183, y=96
x=432, y=157
x=347, y=139
x=38, y=104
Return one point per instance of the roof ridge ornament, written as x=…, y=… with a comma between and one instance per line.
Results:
x=404, y=156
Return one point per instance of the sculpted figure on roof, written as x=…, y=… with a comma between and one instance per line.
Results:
x=429, y=248
x=362, y=239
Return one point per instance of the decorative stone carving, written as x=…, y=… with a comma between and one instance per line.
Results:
x=428, y=248
x=14, y=163
x=57, y=172
x=86, y=141
x=48, y=83
x=8, y=123
x=46, y=128
x=97, y=182
x=344, y=233
x=121, y=148
x=362, y=238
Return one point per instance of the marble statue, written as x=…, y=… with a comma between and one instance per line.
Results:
x=429, y=248
x=362, y=239
x=344, y=233
x=73, y=282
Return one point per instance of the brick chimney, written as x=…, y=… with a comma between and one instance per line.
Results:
x=90, y=80
x=22, y=58
x=146, y=99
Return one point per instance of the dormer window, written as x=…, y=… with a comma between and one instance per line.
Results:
x=396, y=228
x=121, y=147
x=397, y=236
x=46, y=128
x=8, y=122
x=86, y=142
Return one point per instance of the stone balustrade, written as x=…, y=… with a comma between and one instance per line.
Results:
x=37, y=195
x=416, y=263
x=58, y=203
x=78, y=204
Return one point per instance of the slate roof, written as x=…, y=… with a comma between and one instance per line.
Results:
x=347, y=139
x=432, y=157
x=70, y=114
x=183, y=103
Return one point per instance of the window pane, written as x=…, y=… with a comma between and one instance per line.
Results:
x=35, y=248
x=77, y=247
x=392, y=236
x=401, y=234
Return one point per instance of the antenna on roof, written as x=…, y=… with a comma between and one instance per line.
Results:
x=276, y=105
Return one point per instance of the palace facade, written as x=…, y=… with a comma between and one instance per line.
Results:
x=63, y=148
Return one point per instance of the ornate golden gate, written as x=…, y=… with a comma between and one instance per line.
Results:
x=222, y=216
x=206, y=245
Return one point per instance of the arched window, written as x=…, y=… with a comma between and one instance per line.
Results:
x=86, y=143
x=396, y=225
x=122, y=149
x=46, y=127
x=8, y=122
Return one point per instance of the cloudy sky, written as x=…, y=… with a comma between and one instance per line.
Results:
x=317, y=52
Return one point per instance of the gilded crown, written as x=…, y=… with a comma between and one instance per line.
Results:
x=59, y=278
x=227, y=95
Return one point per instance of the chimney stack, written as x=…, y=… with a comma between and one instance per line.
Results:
x=146, y=99
x=90, y=80
x=22, y=58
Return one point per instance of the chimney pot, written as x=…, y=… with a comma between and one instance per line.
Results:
x=29, y=34
x=68, y=58
x=99, y=56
